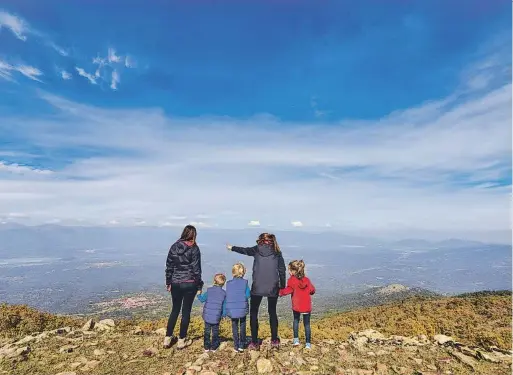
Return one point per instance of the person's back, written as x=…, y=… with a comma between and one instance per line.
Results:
x=237, y=305
x=265, y=268
x=213, y=309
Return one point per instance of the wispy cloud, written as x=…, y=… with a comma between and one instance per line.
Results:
x=15, y=24
x=112, y=57
x=254, y=223
x=130, y=62
x=7, y=70
x=61, y=51
x=115, y=80
x=297, y=224
x=83, y=73
x=442, y=166
x=22, y=169
x=66, y=75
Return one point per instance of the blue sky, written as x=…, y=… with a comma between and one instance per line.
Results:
x=363, y=115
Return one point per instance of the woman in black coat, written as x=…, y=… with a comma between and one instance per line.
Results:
x=268, y=278
x=183, y=280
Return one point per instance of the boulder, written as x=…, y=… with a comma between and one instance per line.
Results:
x=487, y=356
x=108, y=322
x=443, y=339
x=465, y=359
x=161, y=332
x=89, y=325
x=25, y=340
x=264, y=366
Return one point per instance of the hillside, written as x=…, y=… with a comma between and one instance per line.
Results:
x=409, y=337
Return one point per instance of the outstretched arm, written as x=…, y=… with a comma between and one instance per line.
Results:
x=250, y=251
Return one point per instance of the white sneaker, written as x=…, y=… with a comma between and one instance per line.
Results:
x=167, y=342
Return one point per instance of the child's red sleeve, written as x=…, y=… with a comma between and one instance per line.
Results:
x=312, y=289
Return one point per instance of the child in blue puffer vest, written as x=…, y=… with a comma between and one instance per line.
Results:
x=214, y=299
x=237, y=306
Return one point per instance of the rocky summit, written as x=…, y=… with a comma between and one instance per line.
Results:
x=94, y=349
x=379, y=345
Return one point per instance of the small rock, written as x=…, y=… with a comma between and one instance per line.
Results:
x=443, y=339
x=487, y=356
x=137, y=331
x=67, y=348
x=431, y=367
x=401, y=370
x=67, y=373
x=25, y=340
x=381, y=369
x=418, y=361
x=108, y=322
x=465, y=359
x=89, y=325
x=75, y=365
x=254, y=355
x=161, y=332
x=99, y=352
x=90, y=365
x=101, y=327
x=223, y=345
x=314, y=368
x=150, y=352
x=325, y=350
x=381, y=352
x=195, y=368
x=371, y=354
x=207, y=372
x=264, y=366
x=312, y=360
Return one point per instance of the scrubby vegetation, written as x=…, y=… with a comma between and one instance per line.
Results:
x=482, y=319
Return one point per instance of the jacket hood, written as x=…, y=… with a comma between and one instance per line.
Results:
x=302, y=283
x=182, y=246
x=266, y=250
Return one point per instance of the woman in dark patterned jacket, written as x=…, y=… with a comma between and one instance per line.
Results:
x=183, y=280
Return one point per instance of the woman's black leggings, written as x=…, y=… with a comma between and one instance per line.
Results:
x=183, y=297
x=273, y=317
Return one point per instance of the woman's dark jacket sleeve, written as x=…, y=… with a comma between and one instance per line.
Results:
x=169, y=268
x=282, y=271
x=250, y=251
x=196, y=267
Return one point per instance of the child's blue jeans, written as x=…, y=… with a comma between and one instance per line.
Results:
x=211, y=336
x=239, y=332
x=306, y=323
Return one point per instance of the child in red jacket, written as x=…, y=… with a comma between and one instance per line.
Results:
x=302, y=290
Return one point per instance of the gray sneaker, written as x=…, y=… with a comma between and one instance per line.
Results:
x=168, y=342
x=183, y=343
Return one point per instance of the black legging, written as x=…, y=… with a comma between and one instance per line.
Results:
x=183, y=298
x=273, y=317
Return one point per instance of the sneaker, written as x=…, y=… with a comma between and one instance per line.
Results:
x=240, y=350
x=169, y=341
x=253, y=346
x=275, y=344
x=295, y=342
x=308, y=346
x=183, y=343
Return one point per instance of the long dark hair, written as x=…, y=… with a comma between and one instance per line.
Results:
x=189, y=234
x=268, y=239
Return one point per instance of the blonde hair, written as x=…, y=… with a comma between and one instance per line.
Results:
x=268, y=239
x=219, y=279
x=238, y=270
x=297, y=268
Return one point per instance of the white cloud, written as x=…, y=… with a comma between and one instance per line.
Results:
x=416, y=168
x=130, y=62
x=112, y=57
x=61, y=51
x=14, y=23
x=66, y=75
x=6, y=71
x=115, y=80
x=254, y=223
x=29, y=72
x=22, y=169
x=297, y=224
x=83, y=73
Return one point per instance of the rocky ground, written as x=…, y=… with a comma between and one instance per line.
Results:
x=106, y=348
